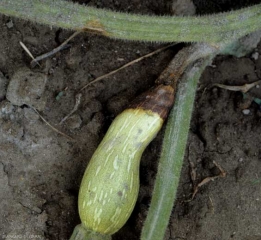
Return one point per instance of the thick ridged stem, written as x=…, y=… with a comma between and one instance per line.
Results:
x=212, y=29
x=173, y=150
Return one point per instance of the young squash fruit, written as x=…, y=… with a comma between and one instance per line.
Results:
x=110, y=184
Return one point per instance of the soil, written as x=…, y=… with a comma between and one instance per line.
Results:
x=41, y=170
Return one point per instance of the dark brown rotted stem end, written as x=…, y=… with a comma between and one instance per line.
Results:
x=158, y=99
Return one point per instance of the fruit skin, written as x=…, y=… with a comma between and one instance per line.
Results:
x=110, y=184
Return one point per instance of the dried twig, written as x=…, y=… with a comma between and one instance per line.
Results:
x=208, y=179
x=55, y=50
x=53, y=128
x=76, y=106
x=244, y=88
x=126, y=65
x=29, y=53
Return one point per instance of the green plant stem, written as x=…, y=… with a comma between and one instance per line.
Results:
x=212, y=29
x=172, y=154
x=81, y=233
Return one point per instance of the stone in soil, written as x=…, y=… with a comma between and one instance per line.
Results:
x=27, y=87
x=74, y=122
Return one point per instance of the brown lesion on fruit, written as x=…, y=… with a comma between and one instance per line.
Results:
x=96, y=27
x=157, y=100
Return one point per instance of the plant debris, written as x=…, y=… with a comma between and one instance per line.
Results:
x=78, y=98
x=244, y=88
x=208, y=179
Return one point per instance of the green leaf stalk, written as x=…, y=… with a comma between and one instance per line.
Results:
x=175, y=137
x=216, y=28
x=173, y=150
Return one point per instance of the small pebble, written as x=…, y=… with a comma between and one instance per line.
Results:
x=10, y=24
x=7, y=108
x=246, y=111
x=214, y=90
x=36, y=210
x=255, y=55
x=27, y=87
x=74, y=122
